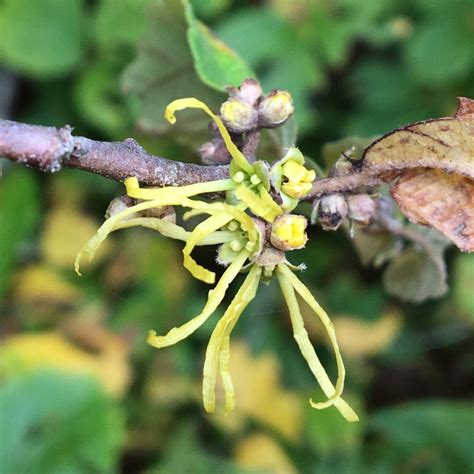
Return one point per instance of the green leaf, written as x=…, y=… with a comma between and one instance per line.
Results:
x=41, y=38
x=436, y=430
x=329, y=433
x=258, y=34
x=463, y=286
x=285, y=136
x=120, y=22
x=393, y=98
x=373, y=247
x=57, y=423
x=279, y=55
x=99, y=100
x=164, y=70
x=440, y=52
x=19, y=214
x=218, y=66
x=415, y=276
x=209, y=8
x=185, y=454
x=347, y=295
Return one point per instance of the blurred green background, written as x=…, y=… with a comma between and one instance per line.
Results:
x=81, y=392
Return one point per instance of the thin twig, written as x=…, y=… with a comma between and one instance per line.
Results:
x=50, y=149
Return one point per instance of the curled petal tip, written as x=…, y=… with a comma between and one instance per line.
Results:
x=322, y=405
x=151, y=336
x=171, y=118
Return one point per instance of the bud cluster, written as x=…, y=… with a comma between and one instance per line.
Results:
x=248, y=109
x=333, y=208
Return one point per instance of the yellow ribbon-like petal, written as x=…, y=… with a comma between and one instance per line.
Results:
x=192, y=103
x=288, y=283
x=216, y=296
x=169, y=192
x=224, y=354
x=219, y=341
x=173, y=231
x=237, y=212
x=261, y=205
x=206, y=227
x=110, y=225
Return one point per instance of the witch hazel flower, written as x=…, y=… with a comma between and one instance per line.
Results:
x=254, y=229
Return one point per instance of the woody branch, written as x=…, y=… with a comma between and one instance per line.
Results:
x=51, y=149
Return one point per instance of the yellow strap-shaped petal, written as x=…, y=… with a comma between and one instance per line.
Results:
x=169, y=192
x=206, y=227
x=266, y=197
x=261, y=207
x=289, y=283
x=224, y=353
x=237, y=212
x=216, y=296
x=243, y=297
x=192, y=103
x=173, y=231
x=110, y=225
x=190, y=214
x=169, y=199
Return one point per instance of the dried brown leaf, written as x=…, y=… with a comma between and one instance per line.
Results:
x=439, y=199
x=434, y=163
x=445, y=143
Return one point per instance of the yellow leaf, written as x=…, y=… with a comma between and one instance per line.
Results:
x=30, y=352
x=361, y=338
x=260, y=452
x=260, y=394
x=39, y=284
x=65, y=232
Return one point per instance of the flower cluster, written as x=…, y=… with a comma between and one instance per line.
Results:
x=253, y=228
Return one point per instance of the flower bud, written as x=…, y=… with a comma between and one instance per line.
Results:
x=361, y=207
x=332, y=210
x=275, y=109
x=238, y=116
x=119, y=204
x=249, y=92
x=122, y=203
x=288, y=232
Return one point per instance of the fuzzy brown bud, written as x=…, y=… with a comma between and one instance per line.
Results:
x=332, y=210
x=119, y=204
x=249, y=92
x=275, y=109
x=238, y=116
x=361, y=207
